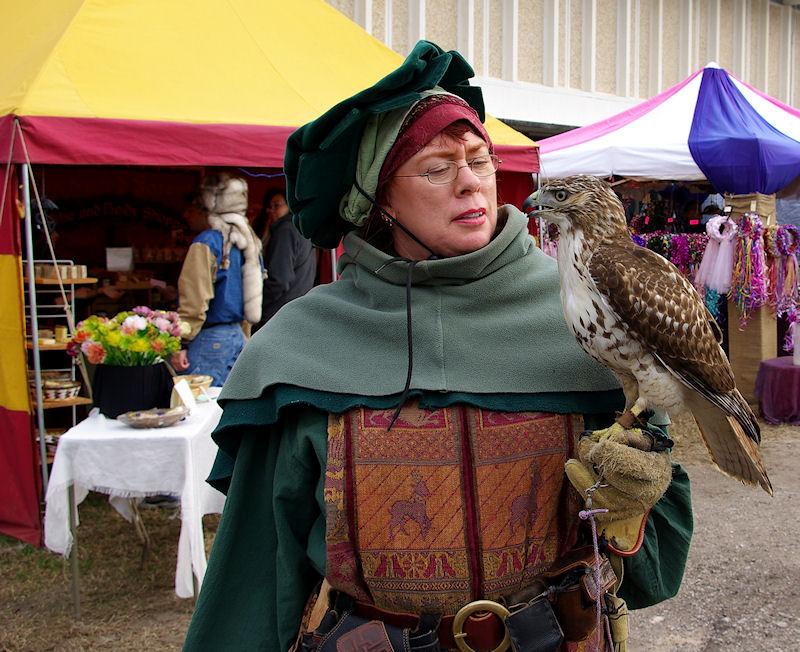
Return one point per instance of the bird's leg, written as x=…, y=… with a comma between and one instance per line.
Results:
x=628, y=418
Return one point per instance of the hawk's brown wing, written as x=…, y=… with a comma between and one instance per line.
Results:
x=663, y=311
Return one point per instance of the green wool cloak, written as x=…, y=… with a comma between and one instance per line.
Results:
x=487, y=330
x=486, y=322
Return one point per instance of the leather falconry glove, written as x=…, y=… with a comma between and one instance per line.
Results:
x=633, y=480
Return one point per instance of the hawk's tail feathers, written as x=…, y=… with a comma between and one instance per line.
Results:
x=731, y=449
x=734, y=404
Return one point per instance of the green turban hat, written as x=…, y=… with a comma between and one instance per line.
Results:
x=322, y=156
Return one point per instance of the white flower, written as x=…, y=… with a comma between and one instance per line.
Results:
x=134, y=323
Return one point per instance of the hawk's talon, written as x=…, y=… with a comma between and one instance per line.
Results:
x=613, y=431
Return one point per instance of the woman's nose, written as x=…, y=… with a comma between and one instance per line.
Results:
x=467, y=181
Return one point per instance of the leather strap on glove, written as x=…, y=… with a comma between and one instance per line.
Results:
x=633, y=480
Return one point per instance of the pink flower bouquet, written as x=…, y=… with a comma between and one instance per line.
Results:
x=136, y=338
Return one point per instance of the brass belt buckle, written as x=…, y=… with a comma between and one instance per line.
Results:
x=476, y=607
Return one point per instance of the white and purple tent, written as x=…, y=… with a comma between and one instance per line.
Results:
x=710, y=126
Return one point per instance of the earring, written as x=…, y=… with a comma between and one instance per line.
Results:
x=387, y=218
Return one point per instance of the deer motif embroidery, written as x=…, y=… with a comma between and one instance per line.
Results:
x=523, y=507
x=415, y=509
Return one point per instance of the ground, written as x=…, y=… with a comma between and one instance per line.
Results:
x=741, y=590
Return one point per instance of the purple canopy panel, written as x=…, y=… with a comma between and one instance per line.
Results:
x=736, y=148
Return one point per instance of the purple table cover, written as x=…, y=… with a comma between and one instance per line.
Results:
x=778, y=390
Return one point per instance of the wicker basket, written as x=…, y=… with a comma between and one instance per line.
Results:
x=48, y=374
x=60, y=389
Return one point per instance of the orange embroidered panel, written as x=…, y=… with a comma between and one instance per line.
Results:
x=450, y=505
x=519, y=471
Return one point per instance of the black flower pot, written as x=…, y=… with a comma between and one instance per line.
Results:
x=117, y=390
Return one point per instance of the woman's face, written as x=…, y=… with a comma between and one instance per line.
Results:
x=276, y=208
x=453, y=218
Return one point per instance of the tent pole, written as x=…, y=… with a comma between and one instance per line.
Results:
x=37, y=369
x=540, y=225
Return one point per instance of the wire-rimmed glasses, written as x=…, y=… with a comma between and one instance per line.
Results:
x=447, y=171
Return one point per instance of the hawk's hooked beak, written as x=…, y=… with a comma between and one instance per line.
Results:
x=529, y=205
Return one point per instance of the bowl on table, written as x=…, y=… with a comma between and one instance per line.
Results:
x=155, y=418
x=198, y=383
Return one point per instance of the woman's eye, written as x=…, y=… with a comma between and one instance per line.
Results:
x=560, y=195
x=439, y=171
x=480, y=164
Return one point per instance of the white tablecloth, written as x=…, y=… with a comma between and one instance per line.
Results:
x=105, y=455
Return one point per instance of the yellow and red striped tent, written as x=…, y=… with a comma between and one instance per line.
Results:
x=166, y=83
x=186, y=82
x=20, y=493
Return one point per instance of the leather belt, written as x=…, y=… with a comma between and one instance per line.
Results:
x=481, y=627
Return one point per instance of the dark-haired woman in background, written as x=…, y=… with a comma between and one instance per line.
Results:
x=290, y=259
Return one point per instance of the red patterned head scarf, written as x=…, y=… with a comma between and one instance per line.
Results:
x=427, y=119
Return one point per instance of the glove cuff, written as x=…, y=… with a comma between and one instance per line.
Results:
x=625, y=536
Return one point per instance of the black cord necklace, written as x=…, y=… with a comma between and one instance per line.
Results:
x=409, y=276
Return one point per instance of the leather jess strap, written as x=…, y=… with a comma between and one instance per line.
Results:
x=484, y=630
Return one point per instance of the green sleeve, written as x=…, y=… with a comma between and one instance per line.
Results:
x=655, y=572
x=267, y=555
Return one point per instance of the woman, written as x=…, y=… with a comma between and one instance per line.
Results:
x=403, y=432
x=273, y=205
x=290, y=258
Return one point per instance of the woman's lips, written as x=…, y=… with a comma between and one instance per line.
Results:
x=474, y=216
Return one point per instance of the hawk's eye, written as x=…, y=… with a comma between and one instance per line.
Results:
x=560, y=195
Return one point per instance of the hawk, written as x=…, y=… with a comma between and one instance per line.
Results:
x=634, y=312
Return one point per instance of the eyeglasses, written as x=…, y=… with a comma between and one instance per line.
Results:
x=447, y=171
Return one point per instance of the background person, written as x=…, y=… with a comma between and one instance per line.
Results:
x=268, y=212
x=290, y=258
x=220, y=284
x=402, y=432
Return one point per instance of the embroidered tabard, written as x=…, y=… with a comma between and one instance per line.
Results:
x=451, y=505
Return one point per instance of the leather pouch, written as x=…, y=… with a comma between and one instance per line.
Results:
x=534, y=627
x=574, y=590
x=351, y=633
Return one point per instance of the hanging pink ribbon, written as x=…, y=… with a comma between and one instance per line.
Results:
x=749, y=273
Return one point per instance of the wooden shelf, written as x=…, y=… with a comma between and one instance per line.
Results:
x=64, y=402
x=54, y=433
x=64, y=281
x=127, y=286
x=58, y=346
x=51, y=432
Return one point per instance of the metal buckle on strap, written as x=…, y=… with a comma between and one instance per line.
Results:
x=477, y=607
